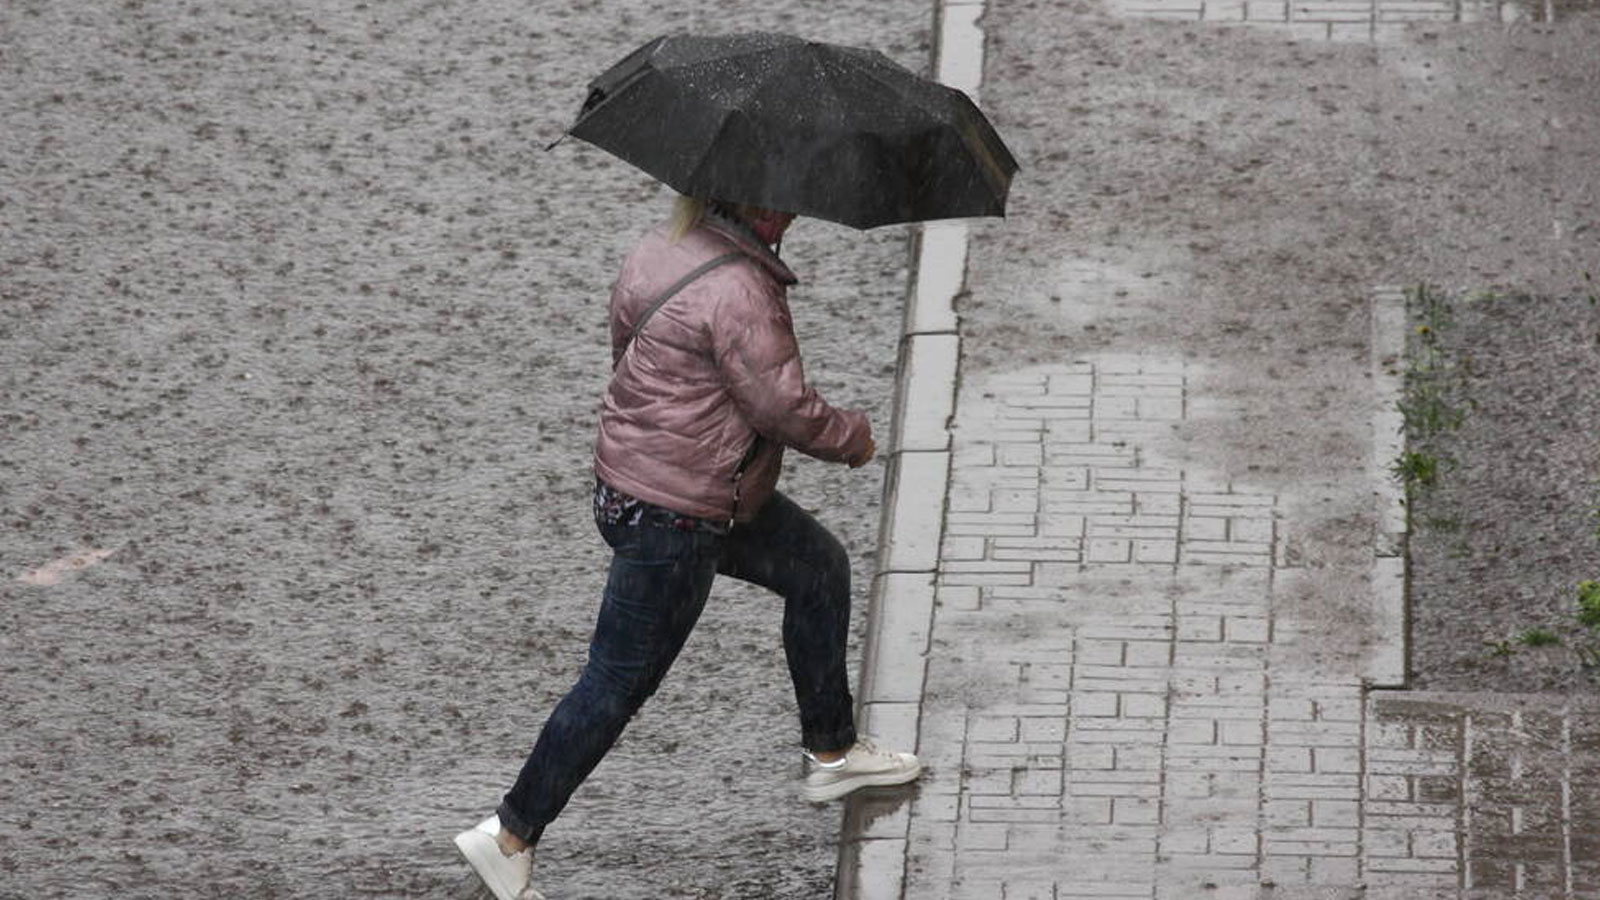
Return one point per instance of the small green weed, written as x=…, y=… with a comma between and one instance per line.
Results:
x=1430, y=402
x=1426, y=410
x=1500, y=648
x=1589, y=604
x=1416, y=469
x=1538, y=637
x=1434, y=305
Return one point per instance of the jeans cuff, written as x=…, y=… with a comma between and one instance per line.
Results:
x=513, y=823
x=831, y=741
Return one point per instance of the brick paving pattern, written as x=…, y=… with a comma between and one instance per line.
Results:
x=1348, y=20
x=1112, y=707
x=1501, y=799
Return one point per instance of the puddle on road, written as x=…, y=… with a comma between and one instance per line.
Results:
x=1351, y=20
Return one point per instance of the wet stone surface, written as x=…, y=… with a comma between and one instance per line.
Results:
x=1350, y=20
x=1510, y=527
x=1121, y=697
x=1134, y=689
x=301, y=338
x=1505, y=784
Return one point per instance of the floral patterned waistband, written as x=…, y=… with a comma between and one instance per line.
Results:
x=613, y=507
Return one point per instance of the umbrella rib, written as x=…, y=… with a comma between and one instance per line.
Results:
x=686, y=72
x=917, y=101
x=723, y=57
x=990, y=161
x=706, y=156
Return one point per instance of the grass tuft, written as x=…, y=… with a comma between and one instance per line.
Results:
x=1416, y=469
x=1589, y=604
x=1428, y=404
x=1538, y=637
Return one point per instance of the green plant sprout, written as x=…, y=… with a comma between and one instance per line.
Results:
x=1538, y=637
x=1442, y=524
x=1427, y=412
x=1416, y=469
x=1589, y=604
x=1428, y=405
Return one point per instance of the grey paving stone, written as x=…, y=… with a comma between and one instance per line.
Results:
x=1120, y=680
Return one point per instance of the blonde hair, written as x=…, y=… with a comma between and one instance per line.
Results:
x=686, y=214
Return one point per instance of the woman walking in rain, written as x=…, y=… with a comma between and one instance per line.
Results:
x=707, y=391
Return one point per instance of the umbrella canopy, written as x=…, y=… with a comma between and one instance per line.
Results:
x=834, y=132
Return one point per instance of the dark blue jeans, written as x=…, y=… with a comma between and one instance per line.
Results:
x=658, y=584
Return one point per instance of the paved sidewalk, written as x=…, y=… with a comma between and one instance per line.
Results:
x=1131, y=676
x=1122, y=701
x=1336, y=20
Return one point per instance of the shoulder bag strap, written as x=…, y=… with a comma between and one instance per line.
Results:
x=670, y=292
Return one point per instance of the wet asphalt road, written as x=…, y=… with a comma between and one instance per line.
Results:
x=303, y=330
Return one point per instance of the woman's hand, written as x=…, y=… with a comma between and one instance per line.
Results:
x=863, y=459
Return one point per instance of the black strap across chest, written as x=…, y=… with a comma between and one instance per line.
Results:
x=670, y=292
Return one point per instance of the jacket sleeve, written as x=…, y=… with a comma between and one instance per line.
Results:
x=754, y=346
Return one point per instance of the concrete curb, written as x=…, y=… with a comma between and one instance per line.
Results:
x=873, y=836
x=1388, y=661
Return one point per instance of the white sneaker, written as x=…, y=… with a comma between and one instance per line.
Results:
x=507, y=877
x=865, y=765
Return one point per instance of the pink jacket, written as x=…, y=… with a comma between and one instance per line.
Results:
x=715, y=367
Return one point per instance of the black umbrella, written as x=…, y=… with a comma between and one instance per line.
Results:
x=838, y=133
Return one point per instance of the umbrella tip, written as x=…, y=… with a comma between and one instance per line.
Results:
x=552, y=145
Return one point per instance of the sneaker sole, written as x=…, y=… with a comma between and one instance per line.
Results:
x=476, y=847
x=836, y=789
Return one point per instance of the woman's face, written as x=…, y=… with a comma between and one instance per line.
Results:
x=771, y=224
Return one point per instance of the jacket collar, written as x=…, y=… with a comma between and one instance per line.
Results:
x=746, y=241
